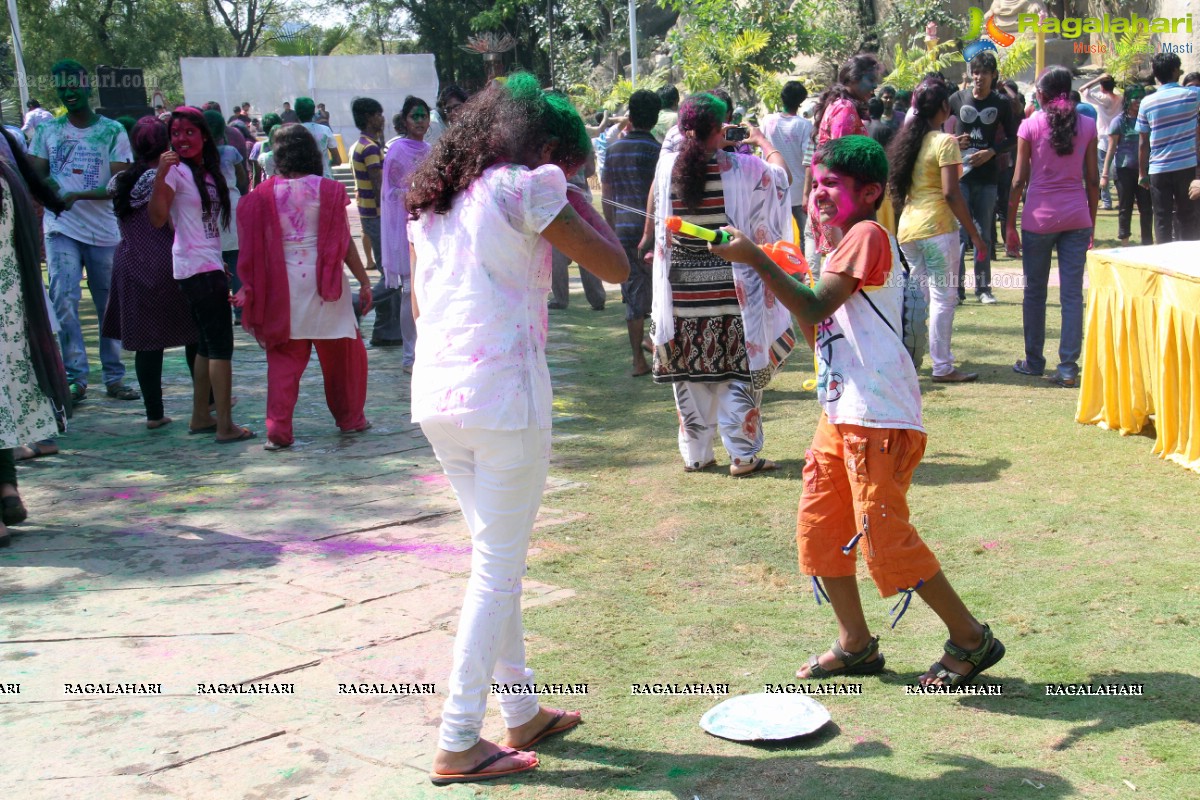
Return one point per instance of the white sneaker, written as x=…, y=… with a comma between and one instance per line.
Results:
x=987, y=298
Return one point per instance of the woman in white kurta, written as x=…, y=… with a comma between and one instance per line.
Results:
x=481, y=388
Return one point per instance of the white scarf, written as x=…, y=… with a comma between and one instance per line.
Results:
x=757, y=203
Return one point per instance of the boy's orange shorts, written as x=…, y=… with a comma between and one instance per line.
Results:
x=856, y=480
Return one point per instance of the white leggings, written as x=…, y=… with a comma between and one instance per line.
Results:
x=498, y=477
x=934, y=263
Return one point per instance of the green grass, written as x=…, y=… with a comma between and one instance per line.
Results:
x=1076, y=544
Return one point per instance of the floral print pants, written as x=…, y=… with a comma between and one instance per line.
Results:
x=732, y=407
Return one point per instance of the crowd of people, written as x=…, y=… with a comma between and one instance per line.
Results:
x=472, y=214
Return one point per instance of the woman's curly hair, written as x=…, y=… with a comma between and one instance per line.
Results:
x=296, y=152
x=509, y=122
x=700, y=114
x=1054, y=86
x=928, y=100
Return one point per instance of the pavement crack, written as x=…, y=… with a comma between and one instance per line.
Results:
x=392, y=524
x=278, y=672
x=120, y=636
x=213, y=752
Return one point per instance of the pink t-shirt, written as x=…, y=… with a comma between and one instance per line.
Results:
x=1056, y=200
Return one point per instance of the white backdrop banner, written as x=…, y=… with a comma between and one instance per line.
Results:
x=266, y=82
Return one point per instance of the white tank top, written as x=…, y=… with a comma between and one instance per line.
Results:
x=866, y=377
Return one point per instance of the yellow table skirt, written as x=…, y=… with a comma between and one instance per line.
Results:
x=1141, y=352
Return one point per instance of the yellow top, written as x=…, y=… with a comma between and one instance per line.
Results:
x=926, y=212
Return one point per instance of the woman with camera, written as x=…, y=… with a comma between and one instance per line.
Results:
x=719, y=335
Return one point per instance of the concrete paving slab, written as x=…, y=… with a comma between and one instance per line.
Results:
x=159, y=611
x=340, y=561
x=121, y=736
x=179, y=663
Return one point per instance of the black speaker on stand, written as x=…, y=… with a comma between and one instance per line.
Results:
x=122, y=92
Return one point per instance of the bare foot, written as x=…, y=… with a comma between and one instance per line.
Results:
x=952, y=664
x=527, y=732
x=46, y=447
x=203, y=423
x=828, y=660
x=448, y=763
x=235, y=434
x=640, y=367
x=155, y=424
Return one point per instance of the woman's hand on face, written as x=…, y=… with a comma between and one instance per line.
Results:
x=365, y=300
x=740, y=249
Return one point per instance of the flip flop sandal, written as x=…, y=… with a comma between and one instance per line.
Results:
x=700, y=467
x=552, y=728
x=988, y=654
x=245, y=435
x=14, y=512
x=274, y=447
x=476, y=772
x=760, y=465
x=852, y=663
x=207, y=429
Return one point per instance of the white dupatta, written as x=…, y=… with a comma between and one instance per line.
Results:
x=757, y=203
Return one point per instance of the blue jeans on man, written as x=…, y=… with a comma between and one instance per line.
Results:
x=1106, y=190
x=1037, y=249
x=981, y=203
x=65, y=260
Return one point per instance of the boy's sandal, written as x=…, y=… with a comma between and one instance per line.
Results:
x=852, y=663
x=988, y=654
x=698, y=467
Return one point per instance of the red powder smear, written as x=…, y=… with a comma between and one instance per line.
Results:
x=990, y=545
x=435, y=478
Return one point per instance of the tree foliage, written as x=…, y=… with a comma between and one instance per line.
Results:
x=910, y=66
x=713, y=45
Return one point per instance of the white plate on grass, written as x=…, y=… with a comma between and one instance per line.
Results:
x=765, y=717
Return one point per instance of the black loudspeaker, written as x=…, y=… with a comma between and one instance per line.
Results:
x=120, y=87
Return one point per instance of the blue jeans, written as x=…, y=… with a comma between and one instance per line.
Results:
x=65, y=259
x=1106, y=192
x=1036, y=250
x=981, y=203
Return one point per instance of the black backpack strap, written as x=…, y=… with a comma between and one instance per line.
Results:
x=875, y=308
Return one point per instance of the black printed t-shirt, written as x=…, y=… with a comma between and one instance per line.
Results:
x=982, y=119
